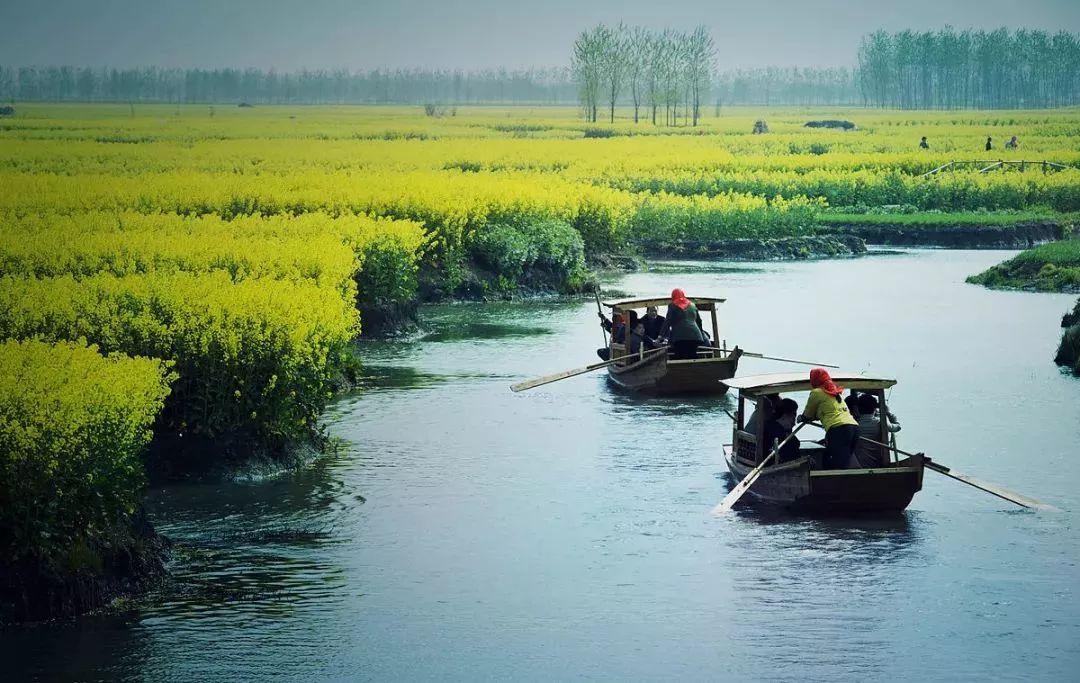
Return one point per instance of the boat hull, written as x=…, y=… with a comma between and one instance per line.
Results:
x=664, y=376
x=799, y=488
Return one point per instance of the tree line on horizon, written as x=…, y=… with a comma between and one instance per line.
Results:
x=554, y=86
x=950, y=69
x=669, y=75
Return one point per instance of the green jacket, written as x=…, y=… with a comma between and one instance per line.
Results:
x=682, y=324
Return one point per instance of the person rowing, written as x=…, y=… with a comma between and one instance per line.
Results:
x=826, y=406
x=682, y=326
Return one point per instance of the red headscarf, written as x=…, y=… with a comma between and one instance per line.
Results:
x=678, y=298
x=819, y=379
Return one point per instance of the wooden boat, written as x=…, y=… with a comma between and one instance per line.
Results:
x=657, y=373
x=801, y=484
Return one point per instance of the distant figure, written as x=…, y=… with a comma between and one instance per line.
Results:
x=779, y=428
x=1013, y=143
x=867, y=454
x=681, y=326
x=989, y=144
x=923, y=143
x=826, y=406
x=653, y=322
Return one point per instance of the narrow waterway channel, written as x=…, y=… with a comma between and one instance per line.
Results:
x=464, y=532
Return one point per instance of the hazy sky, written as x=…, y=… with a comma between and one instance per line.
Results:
x=290, y=34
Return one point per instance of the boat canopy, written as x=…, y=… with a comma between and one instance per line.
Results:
x=782, y=382
x=625, y=304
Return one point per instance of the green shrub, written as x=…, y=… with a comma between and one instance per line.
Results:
x=559, y=248
x=72, y=426
x=600, y=132
x=503, y=249
x=513, y=250
x=388, y=275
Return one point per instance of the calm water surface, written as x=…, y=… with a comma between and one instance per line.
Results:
x=464, y=532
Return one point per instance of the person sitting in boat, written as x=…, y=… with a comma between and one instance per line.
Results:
x=779, y=427
x=852, y=402
x=772, y=405
x=868, y=454
x=682, y=326
x=616, y=328
x=653, y=323
x=826, y=406
x=639, y=338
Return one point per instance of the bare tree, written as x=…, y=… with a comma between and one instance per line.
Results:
x=638, y=46
x=656, y=72
x=587, y=67
x=615, y=60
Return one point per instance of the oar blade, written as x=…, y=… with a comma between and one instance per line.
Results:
x=999, y=491
x=736, y=493
x=743, y=486
x=548, y=379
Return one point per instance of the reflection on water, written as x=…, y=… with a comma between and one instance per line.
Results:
x=474, y=330
x=645, y=407
x=463, y=532
x=686, y=267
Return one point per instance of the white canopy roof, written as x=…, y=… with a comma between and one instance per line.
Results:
x=782, y=382
x=659, y=301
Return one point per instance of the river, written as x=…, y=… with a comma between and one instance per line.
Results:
x=465, y=532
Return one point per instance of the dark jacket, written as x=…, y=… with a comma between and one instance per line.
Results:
x=653, y=327
x=637, y=339
x=775, y=432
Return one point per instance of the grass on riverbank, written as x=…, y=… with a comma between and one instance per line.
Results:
x=947, y=219
x=1053, y=267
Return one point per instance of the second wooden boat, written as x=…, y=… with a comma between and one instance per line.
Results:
x=658, y=373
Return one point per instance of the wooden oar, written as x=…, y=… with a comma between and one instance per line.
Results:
x=743, y=486
x=596, y=293
x=751, y=354
x=548, y=379
x=1012, y=497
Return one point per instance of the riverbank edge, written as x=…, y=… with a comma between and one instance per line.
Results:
x=1068, y=353
x=131, y=563
x=766, y=249
x=1020, y=235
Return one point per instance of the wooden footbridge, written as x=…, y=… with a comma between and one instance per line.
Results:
x=987, y=166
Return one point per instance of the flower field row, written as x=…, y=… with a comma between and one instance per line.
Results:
x=255, y=360
x=948, y=191
x=452, y=206
x=328, y=250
